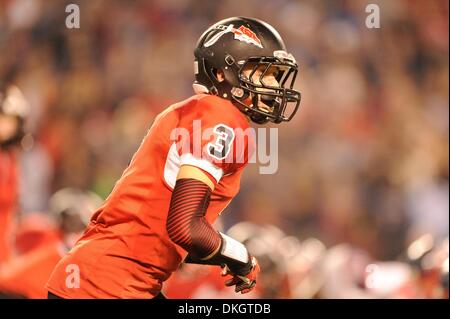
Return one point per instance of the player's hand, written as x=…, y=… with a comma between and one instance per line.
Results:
x=244, y=283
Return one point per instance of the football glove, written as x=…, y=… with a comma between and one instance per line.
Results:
x=243, y=283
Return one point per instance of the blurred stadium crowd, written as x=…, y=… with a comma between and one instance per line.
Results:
x=359, y=204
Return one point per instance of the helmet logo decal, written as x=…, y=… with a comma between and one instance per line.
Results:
x=242, y=34
x=247, y=35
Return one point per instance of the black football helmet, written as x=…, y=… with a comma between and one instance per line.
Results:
x=237, y=44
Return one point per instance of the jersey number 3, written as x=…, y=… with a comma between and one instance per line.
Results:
x=220, y=148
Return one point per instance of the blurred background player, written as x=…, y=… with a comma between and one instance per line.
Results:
x=25, y=275
x=13, y=112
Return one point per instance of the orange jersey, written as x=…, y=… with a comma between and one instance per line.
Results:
x=125, y=251
x=8, y=201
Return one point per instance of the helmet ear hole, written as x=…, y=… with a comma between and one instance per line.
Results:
x=218, y=74
x=231, y=76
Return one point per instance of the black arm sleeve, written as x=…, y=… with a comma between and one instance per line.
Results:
x=186, y=222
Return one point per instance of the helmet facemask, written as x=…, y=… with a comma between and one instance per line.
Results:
x=260, y=100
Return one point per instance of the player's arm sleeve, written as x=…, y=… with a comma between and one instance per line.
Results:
x=186, y=222
x=187, y=227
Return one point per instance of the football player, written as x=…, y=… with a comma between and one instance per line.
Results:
x=13, y=112
x=186, y=171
